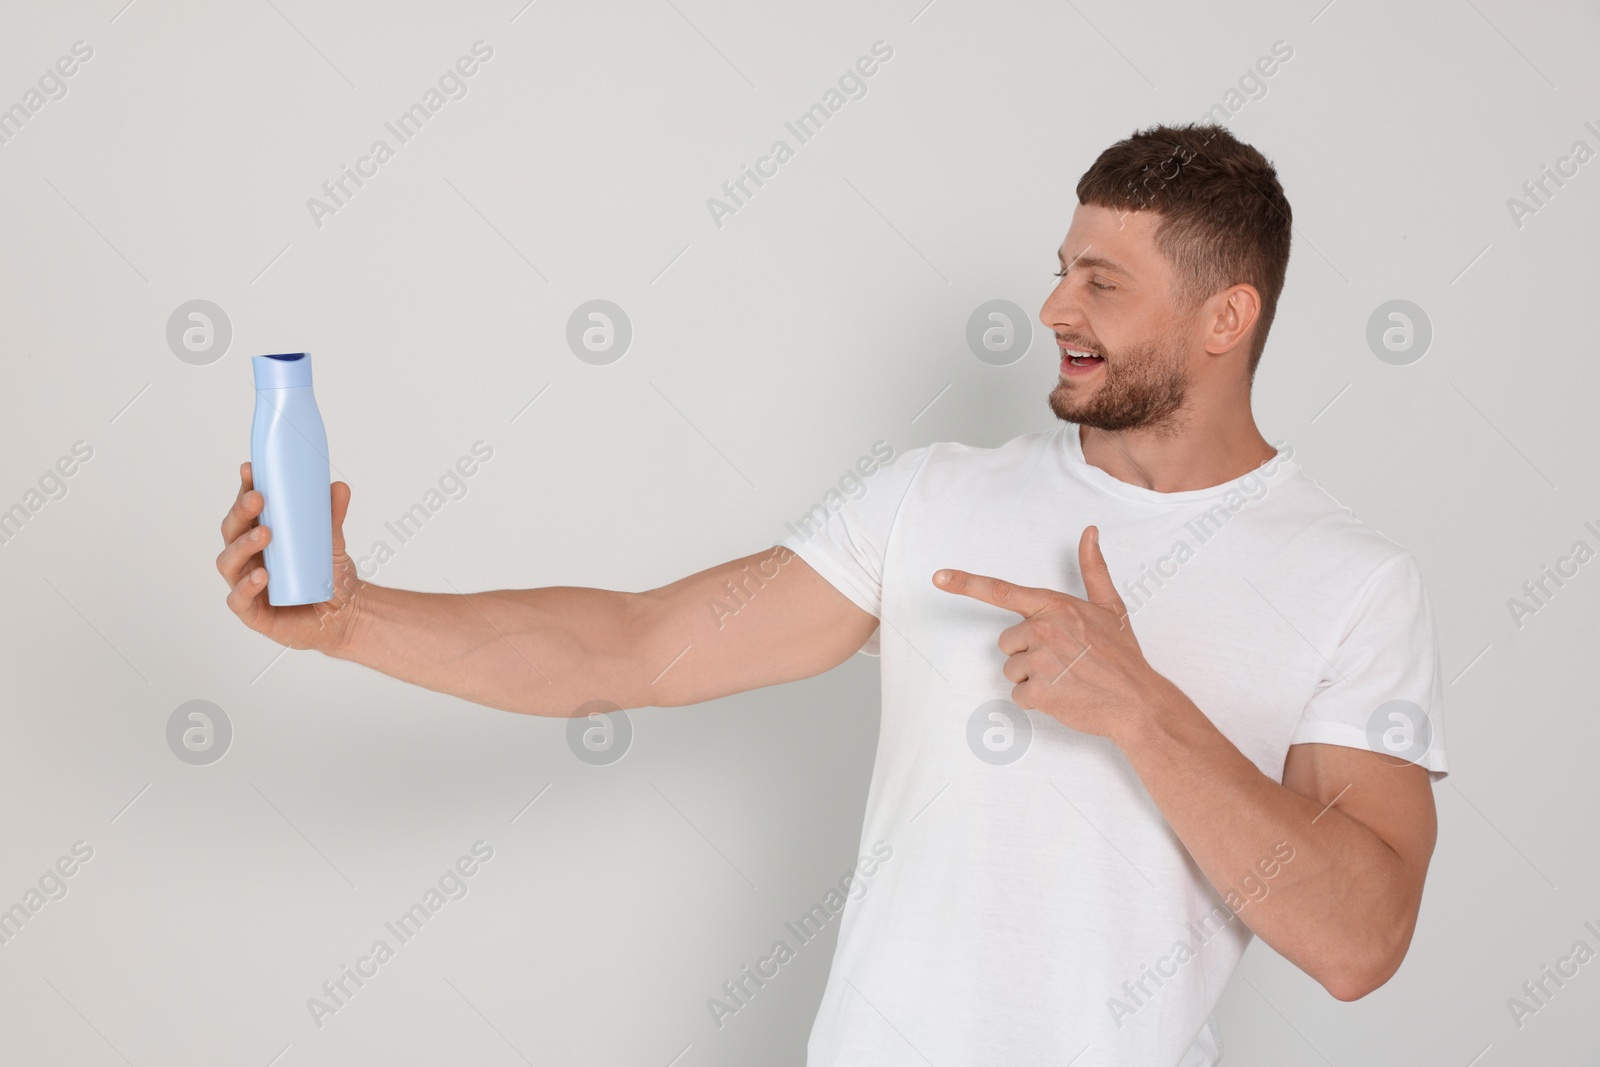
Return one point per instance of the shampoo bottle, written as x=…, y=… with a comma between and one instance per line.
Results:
x=289, y=465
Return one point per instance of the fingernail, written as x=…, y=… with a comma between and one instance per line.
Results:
x=941, y=577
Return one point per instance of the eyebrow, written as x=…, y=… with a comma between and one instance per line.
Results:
x=1086, y=260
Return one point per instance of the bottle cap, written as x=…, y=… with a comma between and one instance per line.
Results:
x=291, y=370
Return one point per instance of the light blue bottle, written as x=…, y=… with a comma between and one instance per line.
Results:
x=289, y=465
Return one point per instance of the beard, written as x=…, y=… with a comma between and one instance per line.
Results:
x=1141, y=387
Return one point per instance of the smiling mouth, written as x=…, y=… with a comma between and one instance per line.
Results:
x=1080, y=357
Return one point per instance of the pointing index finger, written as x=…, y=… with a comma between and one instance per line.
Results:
x=1022, y=599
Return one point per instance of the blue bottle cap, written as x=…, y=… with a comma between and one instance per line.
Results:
x=291, y=370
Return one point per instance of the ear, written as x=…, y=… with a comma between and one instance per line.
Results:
x=1232, y=315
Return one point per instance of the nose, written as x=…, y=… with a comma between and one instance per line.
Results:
x=1061, y=308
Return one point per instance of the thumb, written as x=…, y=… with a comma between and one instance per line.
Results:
x=346, y=574
x=1097, y=584
x=340, y=495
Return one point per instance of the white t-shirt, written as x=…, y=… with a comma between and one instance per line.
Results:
x=1037, y=906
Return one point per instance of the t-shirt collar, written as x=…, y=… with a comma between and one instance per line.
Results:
x=1072, y=453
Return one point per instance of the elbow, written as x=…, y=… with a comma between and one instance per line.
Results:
x=1353, y=983
x=1357, y=977
x=1352, y=987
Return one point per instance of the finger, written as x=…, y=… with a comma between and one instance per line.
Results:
x=1014, y=639
x=245, y=598
x=1024, y=600
x=240, y=557
x=1016, y=669
x=242, y=515
x=1097, y=583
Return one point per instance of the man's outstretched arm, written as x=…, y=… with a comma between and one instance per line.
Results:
x=748, y=623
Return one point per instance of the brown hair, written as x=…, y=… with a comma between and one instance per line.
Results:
x=1224, y=219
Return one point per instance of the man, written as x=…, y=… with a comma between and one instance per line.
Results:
x=1105, y=761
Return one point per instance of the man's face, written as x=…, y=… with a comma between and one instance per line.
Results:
x=1116, y=301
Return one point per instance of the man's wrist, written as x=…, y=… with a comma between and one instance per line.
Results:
x=346, y=623
x=1159, y=725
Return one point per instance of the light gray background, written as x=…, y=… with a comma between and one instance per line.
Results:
x=767, y=356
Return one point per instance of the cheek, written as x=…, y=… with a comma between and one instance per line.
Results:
x=1152, y=336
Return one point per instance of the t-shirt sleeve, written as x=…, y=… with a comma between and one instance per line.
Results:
x=1383, y=688
x=844, y=536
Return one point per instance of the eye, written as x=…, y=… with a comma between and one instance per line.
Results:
x=1062, y=274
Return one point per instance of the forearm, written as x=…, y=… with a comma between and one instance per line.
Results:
x=1339, y=908
x=759, y=620
x=534, y=651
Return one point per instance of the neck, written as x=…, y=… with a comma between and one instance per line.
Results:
x=1203, y=453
